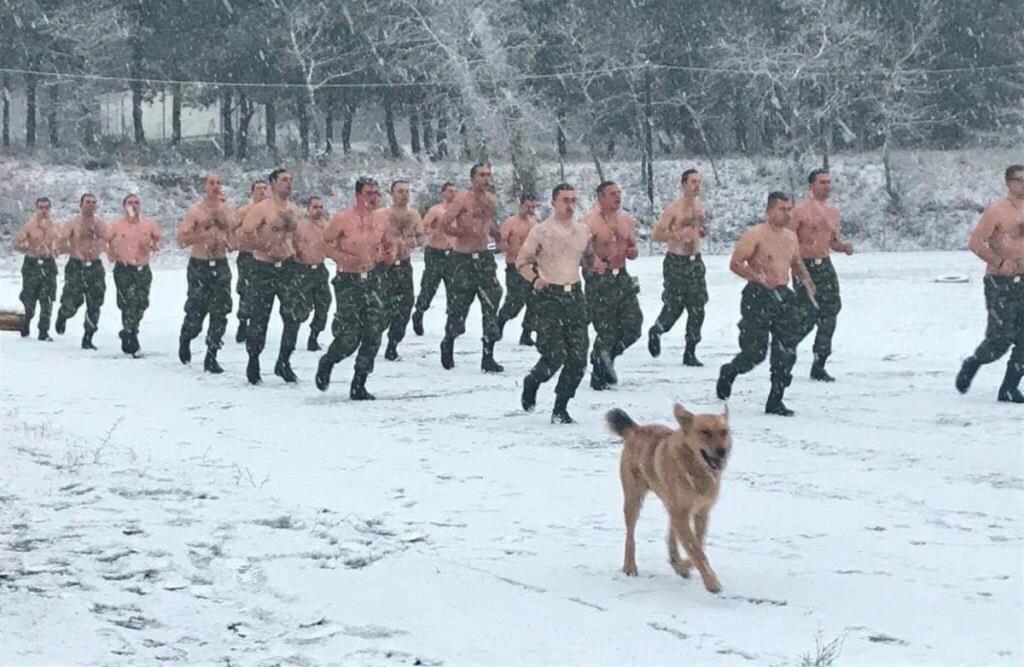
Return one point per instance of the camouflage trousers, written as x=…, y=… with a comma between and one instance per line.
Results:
x=1004, y=298
x=768, y=313
x=614, y=311
x=315, y=292
x=132, y=283
x=473, y=275
x=685, y=288
x=209, y=293
x=39, y=285
x=436, y=268
x=266, y=281
x=826, y=284
x=360, y=319
x=562, y=336
x=244, y=265
x=83, y=282
x=398, y=295
x=518, y=295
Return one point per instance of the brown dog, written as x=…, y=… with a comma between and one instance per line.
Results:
x=683, y=468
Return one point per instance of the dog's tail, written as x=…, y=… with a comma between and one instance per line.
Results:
x=619, y=422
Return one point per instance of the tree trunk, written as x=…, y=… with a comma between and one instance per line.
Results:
x=389, y=127
x=346, y=127
x=246, y=110
x=442, y=134
x=270, y=111
x=136, y=86
x=329, y=123
x=561, y=142
x=648, y=140
x=176, y=114
x=428, y=132
x=30, y=110
x=7, y=110
x=226, y=127
x=51, y=116
x=414, y=131
x=302, y=105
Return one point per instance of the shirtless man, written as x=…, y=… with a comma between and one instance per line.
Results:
x=764, y=256
x=405, y=232
x=40, y=241
x=314, y=278
x=435, y=256
x=270, y=227
x=258, y=191
x=206, y=232
x=816, y=223
x=999, y=241
x=358, y=241
x=518, y=292
x=85, y=238
x=133, y=238
x=611, y=294
x=682, y=227
x=470, y=221
x=550, y=261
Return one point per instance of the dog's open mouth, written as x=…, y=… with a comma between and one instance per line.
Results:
x=713, y=463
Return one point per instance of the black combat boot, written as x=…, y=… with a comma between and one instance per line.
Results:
x=60, y=326
x=1009, y=392
x=448, y=353
x=126, y=344
x=358, y=390
x=818, y=369
x=323, y=373
x=210, y=364
x=185, y=350
x=487, y=362
x=243, y=331
x=560, y=415
x=690, y=356
x=313, y=345
x=283, y=368
x=252, y=370
x=526, y=338
x=87, y=341
x=775, y=406
x=26, y=325
x=598, y=380
x=654, y=342
x=530, y=386
x=417, y=322
x=726, y=374
x=967, y=371
x=391, y=353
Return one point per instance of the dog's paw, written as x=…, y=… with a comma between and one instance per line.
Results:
x=713, y=585
x=682, y=567
x=630, y=570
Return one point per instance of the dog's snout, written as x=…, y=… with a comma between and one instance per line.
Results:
x=721, y=452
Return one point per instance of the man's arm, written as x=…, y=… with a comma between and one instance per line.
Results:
x=21, y=238
x=526, y=261
x=590, y=260
x=981, y=239
x=660, y=233
x=156, y=235
x=449, y=223
x=253, y=220
x=741, y=255
x=838, y=243
x=632, y=252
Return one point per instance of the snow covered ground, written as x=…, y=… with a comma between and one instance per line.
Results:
x=151, y=513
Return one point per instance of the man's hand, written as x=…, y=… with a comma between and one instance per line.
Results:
x=811, y=289
x=539, y=284
x=848, y=248
x=632, y=252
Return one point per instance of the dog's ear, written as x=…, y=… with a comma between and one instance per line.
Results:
x=683, y=416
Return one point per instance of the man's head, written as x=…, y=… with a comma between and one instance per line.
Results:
x=1015, y=180
x=480, y=175
x=527, y=205
x=315, y=208
x=690, y=182
x=43, y=207
x=258, y=191
x=820, y=183
x=211, y=185
x=609, y=196
x=448, y=192
x=87, y=204
x=563, y=201
x=367, y=193
x=280, y=183
x=400, y=193
x=131, y=205
x=778, y=210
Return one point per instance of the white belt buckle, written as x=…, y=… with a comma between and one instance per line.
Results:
x=447, y=252
x=364, y=275
x=211, y=262
x=277, y=265
x=566, y=288
x=314, y=267
x=615, y=272
x=693, y=258
x=89, y=263
x=40, y=262
x=139, y=268
x=1016, y=279
x=398, y=262
x=817, y=262
x=476, y=255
